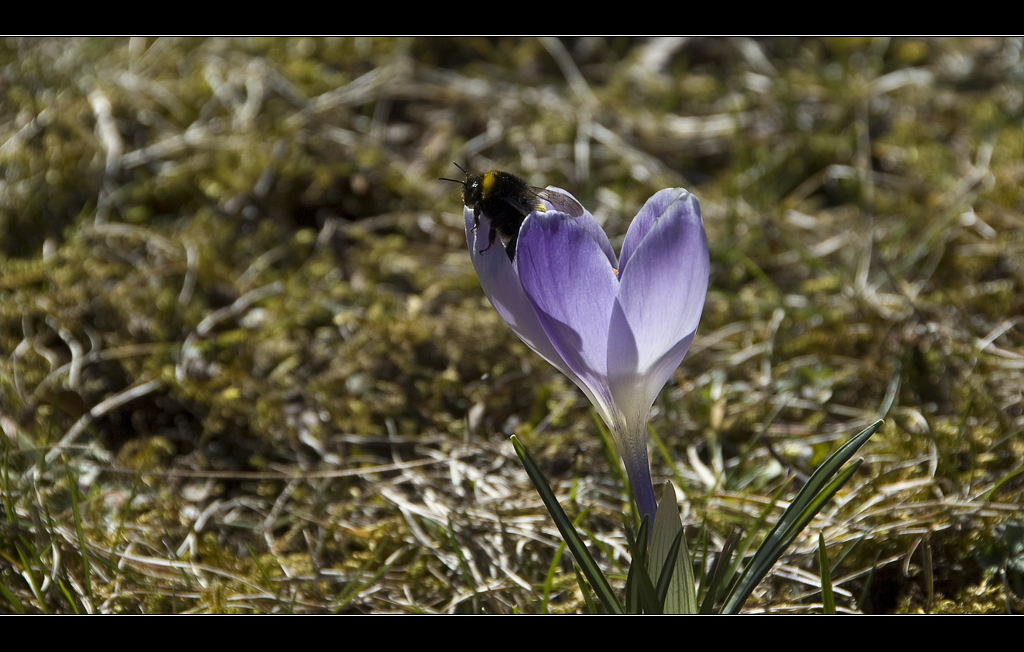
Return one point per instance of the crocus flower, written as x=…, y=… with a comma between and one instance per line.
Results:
x=616, y=328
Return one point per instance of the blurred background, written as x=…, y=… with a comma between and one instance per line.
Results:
x=246, y=365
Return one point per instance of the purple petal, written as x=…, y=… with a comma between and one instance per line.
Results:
x=502, y=287
x=570, y=281
x=663, y=284
x=590, y=225
x=647, y=217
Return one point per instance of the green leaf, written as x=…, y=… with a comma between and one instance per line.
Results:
x=730, y=574
x=67, y=596
x=641, y=596
x=638, y=556
x=667, y=456
x=828, y=600
x=648, y=595
x=549, y=580
x=999, y=485
x=669, y=548
x=668, y=570
x=585, y=590
x=572, y=539
x=721, y=573
x=30, y=578
x=267, y=578
x=809, y=501
x=13, y=599
x=865, y=592
x=463, y=566
x=611, y=453
x=80, y=531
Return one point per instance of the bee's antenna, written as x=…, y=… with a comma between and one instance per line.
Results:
x=462, y=183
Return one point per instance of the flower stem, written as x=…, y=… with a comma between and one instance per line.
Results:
x=639, y=471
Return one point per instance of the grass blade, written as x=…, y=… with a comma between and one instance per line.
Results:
x=719, y=574
x=646, y=593
x=732, y=573
x=463, y=565
x=26, y=572
x=780, y=539
x=73, y=488
x=828, y=601
x=67, y=596
x=591, y=607
x=353, y=588
x=13, y=599
x=549, y=579
x=266, y=577
x=638, y=562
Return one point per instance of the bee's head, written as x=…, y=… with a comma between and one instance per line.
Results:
x=472, y=190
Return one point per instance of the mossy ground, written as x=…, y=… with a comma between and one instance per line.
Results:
x=246, y=366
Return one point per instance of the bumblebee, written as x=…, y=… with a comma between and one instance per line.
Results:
x=506, y=200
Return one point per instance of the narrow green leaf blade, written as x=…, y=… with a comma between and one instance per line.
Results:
x=720, y=574
x=266, y=576
x=572, y=539
x=549, y=580
x=828, y=600
x=353, y=588
x=591, y=607
x=13, y=599
x=732, y=574
x=638, y=564
x=29, y=576
x=808, y=502
x=647, y=594
x=641, y=594
x=80, y=531
x=772, y=550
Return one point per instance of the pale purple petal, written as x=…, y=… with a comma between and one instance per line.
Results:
x=648, y=216
x=590, y=225
x=572, y=285
x=663, y=284
x=502, y=287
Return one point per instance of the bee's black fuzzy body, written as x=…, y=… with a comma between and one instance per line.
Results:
x=505, y=200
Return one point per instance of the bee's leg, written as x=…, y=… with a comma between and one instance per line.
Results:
x=510, y=249
x=476, y=220
x=490, y=240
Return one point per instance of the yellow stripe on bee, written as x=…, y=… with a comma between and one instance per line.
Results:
x=489, y=180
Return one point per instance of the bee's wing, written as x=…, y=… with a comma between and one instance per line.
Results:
x=562, y=203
